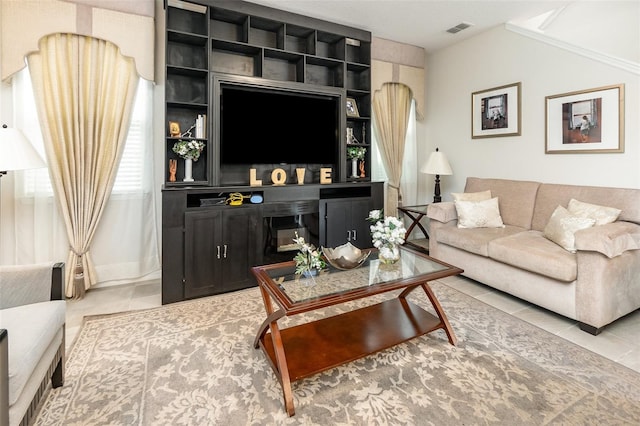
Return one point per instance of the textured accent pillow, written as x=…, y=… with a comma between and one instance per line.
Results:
x=471, y=196
x=601, y=214
x=479, y=214
x=562, y=225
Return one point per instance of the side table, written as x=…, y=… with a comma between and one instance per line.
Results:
x=416, y=213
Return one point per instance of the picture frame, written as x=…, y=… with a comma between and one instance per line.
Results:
x=585, y=121
x=352, y=108
x=496, y=112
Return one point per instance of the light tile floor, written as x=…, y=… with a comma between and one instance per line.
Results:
x=619, y=341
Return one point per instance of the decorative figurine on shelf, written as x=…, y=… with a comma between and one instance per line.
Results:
x=362, y=173
x=173, y=167
x=174, y=129
x=351, y=139
x=364, y=133
x=189, y=151
x=355, y=153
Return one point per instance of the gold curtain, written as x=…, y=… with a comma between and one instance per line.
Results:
x=391, y=107
x=84, y=91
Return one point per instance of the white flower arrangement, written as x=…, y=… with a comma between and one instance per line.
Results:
x=356, y=152
x=188, y=149
x=386, y=231
x=308, y=258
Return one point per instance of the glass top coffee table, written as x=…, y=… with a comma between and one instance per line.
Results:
x=307, y=349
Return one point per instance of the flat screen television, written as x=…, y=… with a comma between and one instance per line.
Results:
x=276, y=126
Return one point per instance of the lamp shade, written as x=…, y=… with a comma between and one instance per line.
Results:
x=437, y=164
x=16, y=152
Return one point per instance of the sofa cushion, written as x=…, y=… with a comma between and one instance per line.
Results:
x=551, y=195
x=531, y=251
x=473, y=240
x=562, y=227
x=471, y=196
x=601, y=214
x=30, y=328
x=479, y=214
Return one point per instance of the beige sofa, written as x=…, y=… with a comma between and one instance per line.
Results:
x=32, y=341
x=596, y=285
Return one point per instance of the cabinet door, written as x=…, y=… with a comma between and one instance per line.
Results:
x=346, y=220
x=360, y=233
x=338, y=220
x=202, y=253
x=239, y=248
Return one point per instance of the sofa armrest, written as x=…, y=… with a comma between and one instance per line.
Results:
x=26, y=284
x=611, y=239
x=442, y=212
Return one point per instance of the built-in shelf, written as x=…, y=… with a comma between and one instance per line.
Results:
x=222, y=37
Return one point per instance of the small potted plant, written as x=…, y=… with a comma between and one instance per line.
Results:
x=355, y=153
x=308, y=260
x=190, y=151
x=387, y=233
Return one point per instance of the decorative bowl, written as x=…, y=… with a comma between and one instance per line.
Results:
x=346, y=256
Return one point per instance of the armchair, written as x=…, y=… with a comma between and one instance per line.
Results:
x=32, y=338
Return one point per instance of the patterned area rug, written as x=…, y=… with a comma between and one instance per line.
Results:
x=193, y=363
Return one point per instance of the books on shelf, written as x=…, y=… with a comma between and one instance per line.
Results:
x=201, y=126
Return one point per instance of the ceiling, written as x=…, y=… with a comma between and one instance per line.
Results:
x=418, y=22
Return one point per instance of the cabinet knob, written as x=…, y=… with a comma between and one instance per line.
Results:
x=348, y=235
x=218, y=251
x=225, y=252
x=355, y=235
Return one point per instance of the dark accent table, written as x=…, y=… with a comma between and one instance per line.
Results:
x=304, y=350
x=416, y=213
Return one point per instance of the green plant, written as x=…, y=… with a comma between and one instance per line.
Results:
x=356, y=152
x=308, y=257
x=189, y=150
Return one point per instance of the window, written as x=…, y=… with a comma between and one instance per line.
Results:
x=131, y=172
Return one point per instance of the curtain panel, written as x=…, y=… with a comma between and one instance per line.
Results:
x=84, y=90
x=391, y=108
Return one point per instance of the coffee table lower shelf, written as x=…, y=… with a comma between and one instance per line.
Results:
x=327, y=343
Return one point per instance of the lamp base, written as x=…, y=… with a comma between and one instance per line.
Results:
x=436, y=195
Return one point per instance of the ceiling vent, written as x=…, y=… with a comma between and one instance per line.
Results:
x=461, y=26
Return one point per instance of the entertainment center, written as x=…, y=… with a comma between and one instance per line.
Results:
x=265, y=93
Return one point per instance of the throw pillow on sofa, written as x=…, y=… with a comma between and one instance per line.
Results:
x=601, y=214
x=471, y=196
x=562, y=225
x=479, y=214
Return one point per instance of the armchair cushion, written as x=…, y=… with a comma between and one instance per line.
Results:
x=23, y=284
x=31, y=329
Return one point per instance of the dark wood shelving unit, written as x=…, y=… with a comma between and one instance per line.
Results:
x=208, y=41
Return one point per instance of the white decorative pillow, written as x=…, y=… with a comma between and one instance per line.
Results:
x=562, y=225
x=601, y=214
x=479, y=214
x=471, y=196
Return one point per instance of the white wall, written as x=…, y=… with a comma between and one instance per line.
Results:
x=499, y=57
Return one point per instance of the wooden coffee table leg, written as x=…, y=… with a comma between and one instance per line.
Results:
x=441, y=314
x=281, y=360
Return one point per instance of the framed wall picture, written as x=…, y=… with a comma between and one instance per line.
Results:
x=587, y=121
x=352, y=108
x=496, y=112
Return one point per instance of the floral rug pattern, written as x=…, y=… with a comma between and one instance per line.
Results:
x=193, y=363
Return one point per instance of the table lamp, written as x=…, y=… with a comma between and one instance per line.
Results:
x=16, y=153
x=437, y=164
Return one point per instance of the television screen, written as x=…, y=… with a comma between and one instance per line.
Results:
x=269, y=126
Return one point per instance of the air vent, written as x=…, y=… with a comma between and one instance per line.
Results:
x=461, y=26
